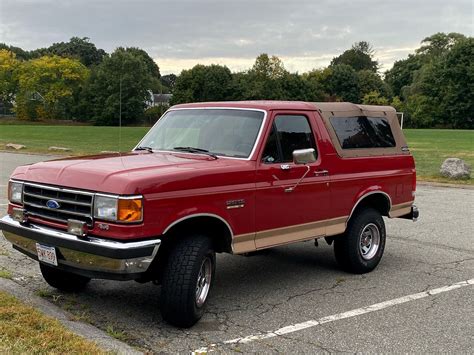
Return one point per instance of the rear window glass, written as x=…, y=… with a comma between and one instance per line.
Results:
x=363, y=132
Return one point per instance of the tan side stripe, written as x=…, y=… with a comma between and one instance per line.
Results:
x=400, y=209
x=245, y=243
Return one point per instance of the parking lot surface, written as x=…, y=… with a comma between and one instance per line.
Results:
x=295, y=299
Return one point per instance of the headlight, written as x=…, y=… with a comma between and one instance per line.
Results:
x=15, y=192
x=118, y=209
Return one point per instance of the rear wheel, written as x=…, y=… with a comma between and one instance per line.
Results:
x=63, y=280
x=187, y=280
x=361, y=248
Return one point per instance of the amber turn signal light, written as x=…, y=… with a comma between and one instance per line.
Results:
x=130, y=210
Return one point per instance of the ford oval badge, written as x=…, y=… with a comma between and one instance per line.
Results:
x=52, y=204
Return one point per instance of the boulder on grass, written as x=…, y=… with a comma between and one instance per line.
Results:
x=455, y=168
x=59, y=149
x=14, y=146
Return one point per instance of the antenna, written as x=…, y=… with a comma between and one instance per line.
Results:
x=120, y=113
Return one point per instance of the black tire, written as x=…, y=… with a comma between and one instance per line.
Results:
x=63, y=280
x=357, y=251
x=179, y=303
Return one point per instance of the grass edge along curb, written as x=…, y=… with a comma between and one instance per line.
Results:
x=24, y=329
x=84, y=330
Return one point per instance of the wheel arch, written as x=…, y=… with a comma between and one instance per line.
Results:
x=377, y=199
x=212, y=225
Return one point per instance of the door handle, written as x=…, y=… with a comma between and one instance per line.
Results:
x=321, y=173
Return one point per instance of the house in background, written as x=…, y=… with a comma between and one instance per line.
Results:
x=162, y=100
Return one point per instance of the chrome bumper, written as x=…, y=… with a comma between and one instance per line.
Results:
x=91, y=256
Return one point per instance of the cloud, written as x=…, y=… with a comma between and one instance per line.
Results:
x=181, y=33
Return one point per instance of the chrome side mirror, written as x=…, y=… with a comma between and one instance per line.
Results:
x=304, y=156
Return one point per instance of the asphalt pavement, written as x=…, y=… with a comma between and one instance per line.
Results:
x=294, y=298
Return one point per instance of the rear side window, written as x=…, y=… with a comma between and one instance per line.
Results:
x=363, y=132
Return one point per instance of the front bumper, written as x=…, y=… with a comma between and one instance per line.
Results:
x=88, y=256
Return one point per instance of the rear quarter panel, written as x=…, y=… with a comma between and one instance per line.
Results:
x=353, y=177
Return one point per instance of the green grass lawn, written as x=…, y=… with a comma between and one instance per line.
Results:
x=81, y=139
x=429, y=146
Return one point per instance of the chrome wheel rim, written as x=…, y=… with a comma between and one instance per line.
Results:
x=203, y=283
x=369, y=241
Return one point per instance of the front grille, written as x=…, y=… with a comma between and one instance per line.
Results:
x=73, y=204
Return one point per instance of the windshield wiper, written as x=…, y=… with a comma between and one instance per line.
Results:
x=196, y=150
x=148, y=149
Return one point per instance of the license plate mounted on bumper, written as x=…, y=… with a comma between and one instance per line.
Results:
x=47, y=254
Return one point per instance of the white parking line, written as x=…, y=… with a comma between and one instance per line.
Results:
x=355, y=312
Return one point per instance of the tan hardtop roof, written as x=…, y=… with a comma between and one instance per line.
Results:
x=289, y=105
x=350, y=107
x=347, y=110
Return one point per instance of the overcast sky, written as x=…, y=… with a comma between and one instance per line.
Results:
x=181, y=33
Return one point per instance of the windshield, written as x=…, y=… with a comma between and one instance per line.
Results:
x=223, y=132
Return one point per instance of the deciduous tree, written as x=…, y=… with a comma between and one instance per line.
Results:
x=203, y=83
x=46, y=86
x=8, y=78
x=359, y=57
x=119, y=86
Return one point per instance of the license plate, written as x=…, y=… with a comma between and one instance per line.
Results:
x=47, y=254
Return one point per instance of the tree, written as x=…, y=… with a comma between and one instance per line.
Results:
x=265, y=80
x=78, y=48
x=342, y=83
x=441, y=93
x=268, y=67
x=319, y=84
x=294, y=87
x=153, y=69
x=119, y=85
x=359, y=57
x=46, y=86
x=19, y=53
x=438, y=44
x=456, y=89
x=8, y=80
x=203, y=83
x=168, y=81
x=370, y=81
x=402, y=72
x=374, y=98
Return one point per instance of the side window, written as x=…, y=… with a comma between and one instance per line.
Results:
x=363, y=132
x=289, y=133
x=383, y=136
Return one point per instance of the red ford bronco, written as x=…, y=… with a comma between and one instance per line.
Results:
x=226, y=177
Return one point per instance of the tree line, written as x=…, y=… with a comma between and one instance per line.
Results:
x=75, y=80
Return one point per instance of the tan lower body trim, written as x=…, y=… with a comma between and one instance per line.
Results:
x=250, y=242
x=400, y=209
x=243, y=243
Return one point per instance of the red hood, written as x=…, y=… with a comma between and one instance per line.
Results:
x=130, y=173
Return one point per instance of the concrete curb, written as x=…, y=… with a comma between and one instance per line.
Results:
x=443, y=184
x=87, y=331
x=9, y=151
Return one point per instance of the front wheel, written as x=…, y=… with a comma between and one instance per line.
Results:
x=361, y=248
x=63, y=280
x=187, y=280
